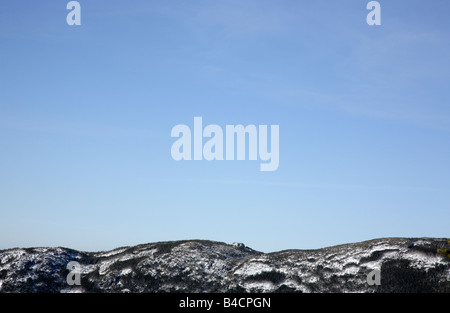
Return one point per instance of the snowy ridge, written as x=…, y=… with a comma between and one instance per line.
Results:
x=405, y=265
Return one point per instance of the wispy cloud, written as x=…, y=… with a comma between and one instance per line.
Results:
x=295, y=185
x=245, y=18
x=45, y=124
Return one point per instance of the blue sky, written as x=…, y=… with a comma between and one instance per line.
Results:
x=86, y=114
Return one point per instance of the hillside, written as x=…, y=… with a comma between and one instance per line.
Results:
x=405, y=265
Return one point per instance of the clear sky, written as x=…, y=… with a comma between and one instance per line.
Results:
x=86, y=114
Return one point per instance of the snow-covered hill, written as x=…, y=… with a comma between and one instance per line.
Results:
x=404, y=264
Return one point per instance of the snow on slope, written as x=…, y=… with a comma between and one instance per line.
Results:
x=406, y=265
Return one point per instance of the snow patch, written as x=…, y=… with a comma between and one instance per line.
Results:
x=253, y=268
x=263, y=286
x=111, y=253
x=72, y=290
x=126, y=271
